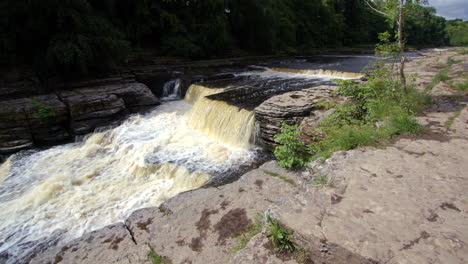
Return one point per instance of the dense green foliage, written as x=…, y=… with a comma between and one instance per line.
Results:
x=70, y=37
x=457, y=31
x=291, y=151
x=424, y=28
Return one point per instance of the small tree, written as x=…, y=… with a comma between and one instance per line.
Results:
x=394, y=10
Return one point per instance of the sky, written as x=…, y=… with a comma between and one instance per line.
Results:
x=451, y=9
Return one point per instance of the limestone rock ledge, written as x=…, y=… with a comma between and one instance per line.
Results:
x=55, y=118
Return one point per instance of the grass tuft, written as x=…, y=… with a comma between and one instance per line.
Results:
x=449, y=122
x=319, y=180
x=157, y=259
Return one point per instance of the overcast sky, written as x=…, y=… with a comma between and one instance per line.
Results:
x=451, y=9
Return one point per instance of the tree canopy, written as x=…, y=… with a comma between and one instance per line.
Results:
x=82, y=36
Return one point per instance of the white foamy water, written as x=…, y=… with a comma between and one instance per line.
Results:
x=80, y=187
x=172, y=90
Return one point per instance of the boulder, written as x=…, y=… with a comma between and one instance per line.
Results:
x=291, y=108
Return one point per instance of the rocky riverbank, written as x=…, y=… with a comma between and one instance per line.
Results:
x=405, y=203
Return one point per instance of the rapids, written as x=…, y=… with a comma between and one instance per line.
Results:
x=56, y=195
x=68, y=190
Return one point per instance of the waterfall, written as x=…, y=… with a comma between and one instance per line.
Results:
x=321, y=73
x=84, y=186
x=217, y=119
x=195, y=92
x=172, y=90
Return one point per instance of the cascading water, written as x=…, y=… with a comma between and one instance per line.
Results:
x=68, y=190
x=219, y=120
x=58, y=194
x=172, y=91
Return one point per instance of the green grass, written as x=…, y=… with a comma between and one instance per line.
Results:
x=443, y=74
x=344, y=138
x=157, y=259
x=375, y=112
x=402, y=125
x=276, y=175
x=319, y=180
x=243, y=239
x=462, y=51
x=353, y=136
x=461, y=86
x=449, y=122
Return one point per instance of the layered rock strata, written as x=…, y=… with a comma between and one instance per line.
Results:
x=292, y=108
x=54, y=118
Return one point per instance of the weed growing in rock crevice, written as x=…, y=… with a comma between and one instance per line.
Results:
x=442, y=75
x=280, y=237
x=157, y=259
x=42, y=110
x=320, y=180
x=245, y=237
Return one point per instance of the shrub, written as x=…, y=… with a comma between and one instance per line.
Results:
x=403, y=125
x=292, y=152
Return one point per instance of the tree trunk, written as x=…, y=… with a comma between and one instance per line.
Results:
x=402, y=46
